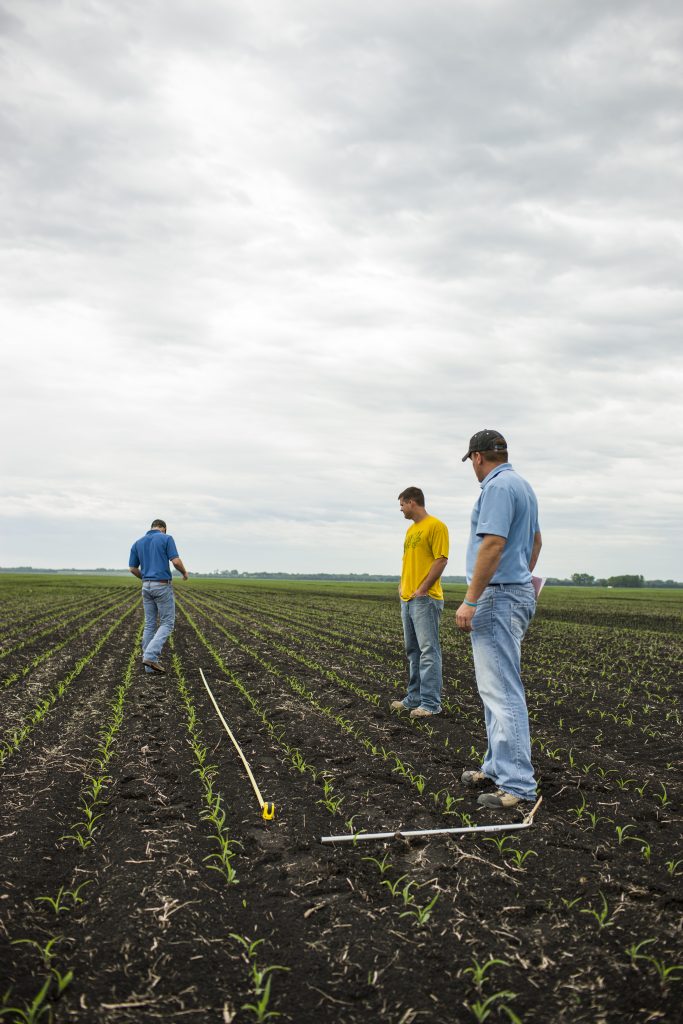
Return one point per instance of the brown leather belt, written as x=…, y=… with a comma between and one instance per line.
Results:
x=157, y=581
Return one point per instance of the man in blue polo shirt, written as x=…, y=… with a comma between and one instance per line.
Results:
x=149, y=561
x=504, y=545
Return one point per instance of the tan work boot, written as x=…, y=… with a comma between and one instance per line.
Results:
x=474, y=777
x=398, y=705
x=499, y=801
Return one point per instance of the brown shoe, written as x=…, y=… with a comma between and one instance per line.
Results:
x=473, y=777
x=398, y=705
x=154, y=665
x=422, y=713
x=499, y=801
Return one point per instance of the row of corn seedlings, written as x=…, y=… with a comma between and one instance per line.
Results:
x=282, y=623
x=221, y=860
x=92, y=802
x=97, y=779
x=294, y=757
x=28, y=615
x=416, y=911
x=58, y=623
x=334, y=677
x=40, y=658
x=13, y=740
x=403, y=768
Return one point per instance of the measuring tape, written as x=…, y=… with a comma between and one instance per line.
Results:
x=267, y=809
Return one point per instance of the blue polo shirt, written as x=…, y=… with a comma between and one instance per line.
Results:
x=152, y=553
x=508, y=508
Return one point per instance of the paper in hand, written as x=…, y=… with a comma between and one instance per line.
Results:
x=538, y=582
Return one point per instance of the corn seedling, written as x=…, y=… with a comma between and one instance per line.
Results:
x=393, y=887
x=260, y=1008
x=663, y=796
x=58, y=903
x=482, y=1008
x=382, y=865
x=500, y=842
x=47, y=951
x=260, y=978
x=621, y=831
x=421, y=914
x=634, y=950
x=665, y=972
x=519, y=857
x=602, y=915
x=407, y=895
x=580, y=809
x=479, y=971
x=33, y=1011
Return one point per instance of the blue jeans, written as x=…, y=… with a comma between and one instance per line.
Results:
x=421, y=618
x=502, y=617
x=159, y=603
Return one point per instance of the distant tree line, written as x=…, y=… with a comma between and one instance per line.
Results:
x=584, y=579
x=577, y=579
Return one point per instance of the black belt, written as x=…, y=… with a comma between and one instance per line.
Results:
x=507, y=584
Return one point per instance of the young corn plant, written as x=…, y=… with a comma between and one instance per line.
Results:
x=260, y=978
x=602, y=915
x=482, y=1007
x=66, y=899
x=421, y=914
x=666, y=973
x=220, y=860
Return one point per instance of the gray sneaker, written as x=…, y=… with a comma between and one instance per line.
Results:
x=473, y=777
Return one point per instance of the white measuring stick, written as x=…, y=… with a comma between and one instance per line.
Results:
x=260, y=799
x=405, y=834
x=408, y=834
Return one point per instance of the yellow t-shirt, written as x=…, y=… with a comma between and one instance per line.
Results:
x=425, y=541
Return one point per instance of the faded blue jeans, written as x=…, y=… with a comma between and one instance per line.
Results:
x=159, y=603
x=502, y=617
x=421, y=618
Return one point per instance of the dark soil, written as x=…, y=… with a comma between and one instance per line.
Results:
x=558, y=922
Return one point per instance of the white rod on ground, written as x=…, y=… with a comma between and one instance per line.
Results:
x=403, y=834
x=236, y=744
x=409, y=834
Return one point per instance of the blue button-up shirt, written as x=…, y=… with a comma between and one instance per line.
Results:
x=151, y=554
x=506, y=507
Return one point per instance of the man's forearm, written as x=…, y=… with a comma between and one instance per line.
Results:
x=136, y=572
x=436, y=569
x=535, y=551
x=178, y=563
x=488, y=559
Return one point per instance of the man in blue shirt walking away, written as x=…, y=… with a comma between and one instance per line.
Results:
x=504, y=545
x=149, y=561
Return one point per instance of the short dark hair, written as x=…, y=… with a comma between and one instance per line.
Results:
x=495, y=456
x=158, y=523
x=413, y=494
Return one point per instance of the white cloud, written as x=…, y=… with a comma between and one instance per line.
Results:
x=266, y=265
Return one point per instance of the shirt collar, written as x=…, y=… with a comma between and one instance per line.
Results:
x=494, y=473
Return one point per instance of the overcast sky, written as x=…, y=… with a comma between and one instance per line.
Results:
x=264, y=265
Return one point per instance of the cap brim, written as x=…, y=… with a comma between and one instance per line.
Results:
x=466, y=457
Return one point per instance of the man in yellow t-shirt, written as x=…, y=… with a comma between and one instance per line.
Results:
x=425, y=554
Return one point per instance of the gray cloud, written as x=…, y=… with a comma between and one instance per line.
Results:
x=265, y=265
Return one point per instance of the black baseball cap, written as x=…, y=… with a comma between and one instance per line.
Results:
x=486, y=441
